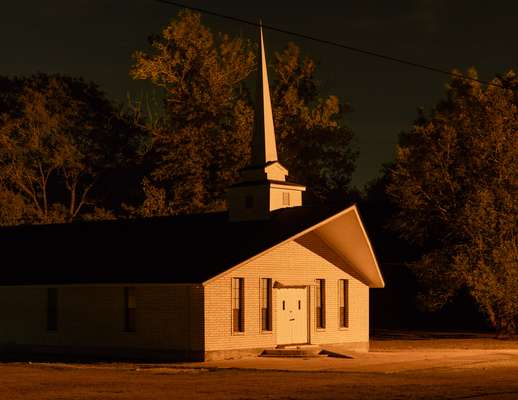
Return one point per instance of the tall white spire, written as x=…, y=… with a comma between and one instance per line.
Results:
x=264, y=149
x=262, y=187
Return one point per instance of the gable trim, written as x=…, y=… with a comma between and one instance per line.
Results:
x=369, y=282
x=371, y=250
x=352, y=208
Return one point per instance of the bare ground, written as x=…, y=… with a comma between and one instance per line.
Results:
x=467, y=368
x=388, y=340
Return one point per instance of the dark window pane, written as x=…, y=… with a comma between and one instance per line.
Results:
x=266, y=304
x=130, y=310
x=343, y=302
x=285, y=199
x=52, y=309
x=238, y=304
x=264, y=319
x=235, y=317
x=321, y=303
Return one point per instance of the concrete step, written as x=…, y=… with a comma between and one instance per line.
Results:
x=293, y=351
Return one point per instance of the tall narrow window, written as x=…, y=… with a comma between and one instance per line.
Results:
x=238, y=304
x=285, y=198
x=130, y=306
x=266, y=304
x=321, y=303
x=343, y=302
x=249, y=201
x=52, y=309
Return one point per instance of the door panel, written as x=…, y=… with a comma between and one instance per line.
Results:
x=292, y=316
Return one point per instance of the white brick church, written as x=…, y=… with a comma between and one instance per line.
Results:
x=268, y=272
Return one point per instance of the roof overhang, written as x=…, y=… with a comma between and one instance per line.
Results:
x=345, y=234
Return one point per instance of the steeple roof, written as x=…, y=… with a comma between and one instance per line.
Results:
x=264, y=149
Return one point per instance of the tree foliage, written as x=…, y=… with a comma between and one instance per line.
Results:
x=203, y=140
x=57, y=136
x=455, y=181
x=314, y=142
x=206, y=136
x=63, y=145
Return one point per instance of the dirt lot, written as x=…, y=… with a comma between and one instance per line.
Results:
x=476, y=368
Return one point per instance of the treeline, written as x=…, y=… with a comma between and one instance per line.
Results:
x=446, y=208
x=451, y=196
x=60, y=139
x=63, y=145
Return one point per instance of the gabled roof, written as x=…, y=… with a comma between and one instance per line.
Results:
x=182, y=249
x=343, y=233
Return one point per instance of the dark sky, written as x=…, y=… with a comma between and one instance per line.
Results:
x=95, y=38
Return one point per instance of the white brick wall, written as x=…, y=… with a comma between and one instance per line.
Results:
x=299, y=262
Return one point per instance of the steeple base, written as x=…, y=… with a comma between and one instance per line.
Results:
x=249, y=201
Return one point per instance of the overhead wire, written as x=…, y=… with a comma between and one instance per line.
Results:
x=331, y=43
x=335, y=44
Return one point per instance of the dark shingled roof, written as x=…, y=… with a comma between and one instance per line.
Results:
x=182, y=249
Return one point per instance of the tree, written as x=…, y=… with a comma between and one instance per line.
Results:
x=12, y=207
x=314, y=142
x=205, y=138
x=455, y=182
x=58, y=135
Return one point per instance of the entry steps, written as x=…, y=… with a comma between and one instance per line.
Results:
x=300, y=351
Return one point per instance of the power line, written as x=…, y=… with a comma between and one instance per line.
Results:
x=331, y=43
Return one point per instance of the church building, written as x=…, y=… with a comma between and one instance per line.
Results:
x=268, y=273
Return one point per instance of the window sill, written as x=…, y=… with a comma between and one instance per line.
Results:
x=266, y=332
x=343, y=328
x=238, y=333
x=320, y=329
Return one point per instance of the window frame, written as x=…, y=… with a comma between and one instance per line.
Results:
x=238, y=299
x=320, y=304
x=266, y=304
x=286, y=200
x=52, y=310
x=249, y=202
x=130, y=309
x=343, y=303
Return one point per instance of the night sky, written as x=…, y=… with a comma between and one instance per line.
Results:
x=95, y=39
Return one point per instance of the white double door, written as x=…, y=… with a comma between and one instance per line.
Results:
x=292, y=316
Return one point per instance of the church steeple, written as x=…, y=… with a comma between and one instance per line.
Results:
x=262, y=187
x=264, y=148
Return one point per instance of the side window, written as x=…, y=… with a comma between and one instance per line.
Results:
x=130, y=309
x=238, y=305
x=343, y=303
x=321, y=303
x=285, y=198
x=249, y=201
x=52, y=309
x=266, y=304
